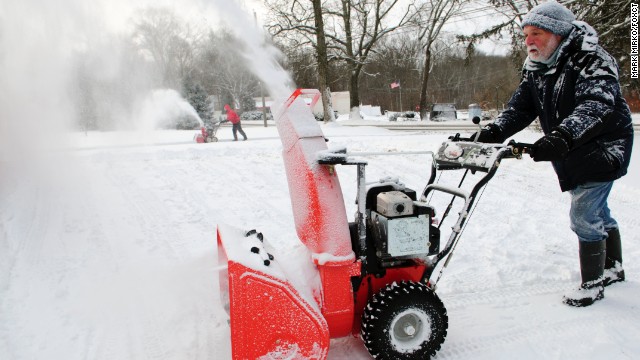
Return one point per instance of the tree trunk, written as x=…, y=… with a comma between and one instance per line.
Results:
x=425, y=81
x=323, y=64
x=354, y=93
x=354, y=96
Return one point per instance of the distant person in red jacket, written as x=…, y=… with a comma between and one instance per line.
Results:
x=234, y=119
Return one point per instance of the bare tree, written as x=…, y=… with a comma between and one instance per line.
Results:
x=433, y=19
x=234, y=78
x=323, y=63
x=365, y=23
x=169, y=41
x=302, y=63
x=224, y=72
x=353, y=28
x=398, y=57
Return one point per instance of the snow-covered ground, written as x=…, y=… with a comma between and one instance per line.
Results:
x=107, y=249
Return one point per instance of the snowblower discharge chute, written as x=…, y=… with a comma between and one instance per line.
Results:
x=375, y=272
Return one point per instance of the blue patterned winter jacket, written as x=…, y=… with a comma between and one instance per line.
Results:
x=580, y=97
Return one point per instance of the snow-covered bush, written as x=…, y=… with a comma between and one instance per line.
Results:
x=255, y=115
x=320, y=116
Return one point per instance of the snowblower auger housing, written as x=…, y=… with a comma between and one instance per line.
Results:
x=269, y=318
x=375, y=272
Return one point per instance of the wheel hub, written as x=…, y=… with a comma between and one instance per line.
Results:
x=410, y=329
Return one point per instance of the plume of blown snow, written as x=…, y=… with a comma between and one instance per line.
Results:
x=261, y=57
x=161, y=107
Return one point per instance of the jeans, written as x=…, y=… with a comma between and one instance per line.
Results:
x=238, y=128
x=590, y=216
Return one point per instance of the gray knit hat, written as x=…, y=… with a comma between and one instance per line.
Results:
x=551, y=16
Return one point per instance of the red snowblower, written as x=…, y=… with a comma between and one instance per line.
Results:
x=208, y=133
x=375, y=272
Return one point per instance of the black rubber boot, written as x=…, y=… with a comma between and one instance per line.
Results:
x=613, y=271
x=592, y=257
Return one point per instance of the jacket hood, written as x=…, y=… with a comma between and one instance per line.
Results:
x=587, y=36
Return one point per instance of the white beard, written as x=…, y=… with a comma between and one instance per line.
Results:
x=540, y=55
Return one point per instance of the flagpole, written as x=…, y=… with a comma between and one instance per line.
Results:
x=396, y=84
x=400, y=89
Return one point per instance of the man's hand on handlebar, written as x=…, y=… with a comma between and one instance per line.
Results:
x=488, y=134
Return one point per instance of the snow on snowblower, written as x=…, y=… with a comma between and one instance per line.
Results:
x=375, y=272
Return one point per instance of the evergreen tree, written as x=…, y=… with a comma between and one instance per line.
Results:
x=197, y=96
x=247, y=103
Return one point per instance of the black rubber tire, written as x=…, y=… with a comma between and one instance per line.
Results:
x=404, y=321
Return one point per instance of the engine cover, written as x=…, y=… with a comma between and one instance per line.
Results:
x=398, y=237
x=394, y=203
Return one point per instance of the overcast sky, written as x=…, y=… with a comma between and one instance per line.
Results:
x=118, y=14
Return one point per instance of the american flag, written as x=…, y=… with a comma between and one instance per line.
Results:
x=395, y=84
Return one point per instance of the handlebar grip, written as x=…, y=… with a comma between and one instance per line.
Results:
x=521, y=148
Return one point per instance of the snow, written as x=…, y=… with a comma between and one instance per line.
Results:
x=238, y=246
x=108, y=248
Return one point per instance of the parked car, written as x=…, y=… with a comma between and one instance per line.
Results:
x=443, y=112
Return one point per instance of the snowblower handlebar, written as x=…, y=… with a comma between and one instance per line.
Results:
x=465, y=154
x=461, y=154
x=517, y=148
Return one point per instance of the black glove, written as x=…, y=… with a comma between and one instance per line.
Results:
x=488, y=134
x=551, y=147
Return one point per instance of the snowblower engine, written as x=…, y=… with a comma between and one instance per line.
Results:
x=399, y=226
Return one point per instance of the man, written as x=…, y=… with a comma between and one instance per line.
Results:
x=234, y=119
x=571, y=84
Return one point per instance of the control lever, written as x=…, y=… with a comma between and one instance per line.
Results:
x=476, y=120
